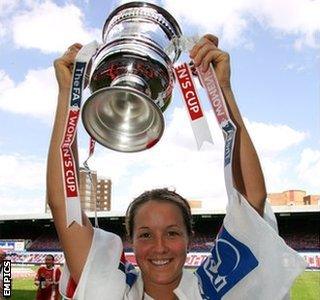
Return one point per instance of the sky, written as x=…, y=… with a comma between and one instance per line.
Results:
x=274, y=48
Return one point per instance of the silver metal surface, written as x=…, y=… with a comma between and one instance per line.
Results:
x=131, y=78
x=132, y=121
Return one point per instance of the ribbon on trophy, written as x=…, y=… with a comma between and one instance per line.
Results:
x=210, y=83
x=198, y=120
x=70, y=180
x=184, y=76
x=199, y=124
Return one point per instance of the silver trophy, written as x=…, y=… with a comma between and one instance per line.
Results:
x=131, y=77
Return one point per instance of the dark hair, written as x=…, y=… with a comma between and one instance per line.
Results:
x=51, y=255
x=159, y=195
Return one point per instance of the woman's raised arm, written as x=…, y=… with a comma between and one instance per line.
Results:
x=75, y=239
x=247, y=173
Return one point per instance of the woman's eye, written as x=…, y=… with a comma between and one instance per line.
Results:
x=173, y=233
x=144, y=235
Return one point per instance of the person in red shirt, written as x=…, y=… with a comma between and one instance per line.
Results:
x=47, y=280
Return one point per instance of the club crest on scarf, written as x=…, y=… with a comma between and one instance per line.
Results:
x=229, y=262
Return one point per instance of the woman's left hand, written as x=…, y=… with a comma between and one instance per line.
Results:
x=206, y=51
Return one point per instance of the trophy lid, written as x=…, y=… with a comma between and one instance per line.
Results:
x=175, y=29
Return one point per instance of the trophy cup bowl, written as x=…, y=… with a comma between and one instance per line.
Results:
x=131, y=77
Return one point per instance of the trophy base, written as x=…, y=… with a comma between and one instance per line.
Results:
x=123, y=119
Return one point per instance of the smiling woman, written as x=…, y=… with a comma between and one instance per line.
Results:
x=247, y=254
x=160, y=240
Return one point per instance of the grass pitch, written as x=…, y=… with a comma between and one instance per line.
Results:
x=306, y=287
x=23, y=289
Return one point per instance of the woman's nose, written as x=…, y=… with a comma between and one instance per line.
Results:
x=160, y=245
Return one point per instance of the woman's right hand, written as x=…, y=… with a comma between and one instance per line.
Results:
x=206, y=52
x=64, y=66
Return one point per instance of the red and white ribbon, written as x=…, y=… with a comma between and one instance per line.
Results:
x=191, y=99
x=210, y=83
x=69, y=169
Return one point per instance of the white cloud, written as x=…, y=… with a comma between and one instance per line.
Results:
x=8, y=9
x=230, y=19
x=274, y=143
x=298, y=17
x=21, y=172
x=2, y=30
x=51, y=28
x=19, y=204
x=272, y=139
x=5, y=81
x=295, y=67
x=220, y=17
x=7, y=6
x=275, y=171
x=35, y=96
x=309, y=168
x=196, y=175
x=22, y=184
x=175, y=162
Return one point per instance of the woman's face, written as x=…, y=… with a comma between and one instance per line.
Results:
x=160, y=242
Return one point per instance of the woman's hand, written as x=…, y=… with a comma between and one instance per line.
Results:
x=206, y=51
x=64, y=66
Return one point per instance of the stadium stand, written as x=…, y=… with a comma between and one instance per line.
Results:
x=45, y=242
x=33, y=258
x=300, y=231
x=299, y=240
